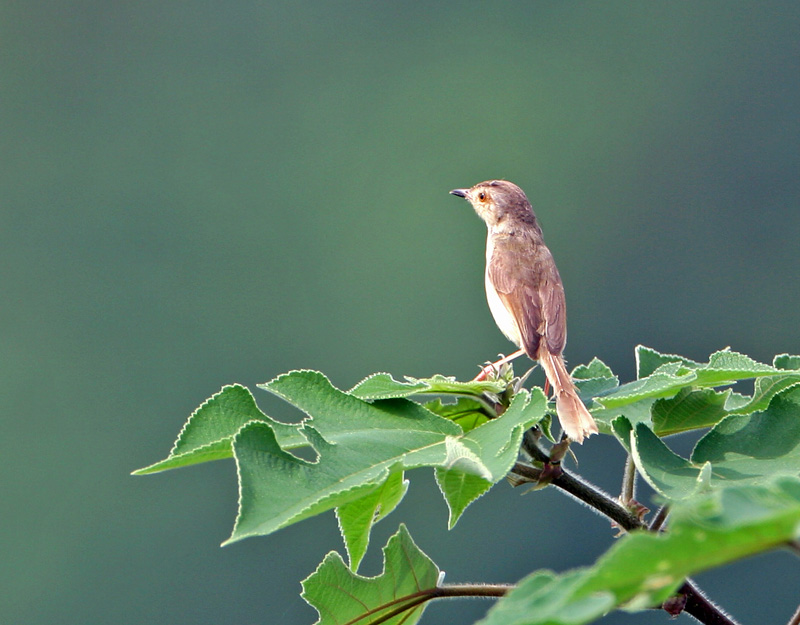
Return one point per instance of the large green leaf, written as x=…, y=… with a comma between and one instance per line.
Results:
x=679, y=390
x=754, y=446
x=643, y=569
x=362, y=448
x=748, y=449
x=359, y=445
x=341, y=596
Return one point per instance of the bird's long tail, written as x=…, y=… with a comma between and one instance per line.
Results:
x=576, y=420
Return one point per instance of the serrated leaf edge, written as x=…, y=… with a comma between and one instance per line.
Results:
x=197, y=410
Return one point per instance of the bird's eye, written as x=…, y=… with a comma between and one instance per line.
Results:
x=481, y=196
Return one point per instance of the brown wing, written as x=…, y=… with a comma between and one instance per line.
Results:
x=527, y=281
x=555, y=307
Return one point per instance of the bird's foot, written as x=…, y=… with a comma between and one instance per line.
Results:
x=487, y=371
x=495, y=369
x=552, y=468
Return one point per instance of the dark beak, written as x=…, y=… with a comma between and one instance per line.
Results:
x=459, y=192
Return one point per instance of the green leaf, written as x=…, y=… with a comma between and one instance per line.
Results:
x=208, y=433
x=277, y=488
x=622, y=428
x=595, y=369
x=727, y=366
x=643, y=568
x=648, y=360
x=748, y=449
x=757, y=446
x=663, y=375
x=704, y=532
x=356, y=518
x=384, y=386
x=594, y=379
x=495, y=444
x=786, y=361
x=765, y=389
x=669, y=474
x=665, y=381
x=341, y=596
x=467, y=412
x=636, y=412
x=689, y=410
x=460, y=489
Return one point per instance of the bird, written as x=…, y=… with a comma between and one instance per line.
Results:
x=526, y=295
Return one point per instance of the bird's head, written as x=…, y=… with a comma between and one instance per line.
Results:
x=498, y=200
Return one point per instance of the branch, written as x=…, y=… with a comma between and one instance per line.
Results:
x=659, y=519
x=697, y=604
x=413, y=600
x=702, y=608
x=585, y=492
x=576, y=486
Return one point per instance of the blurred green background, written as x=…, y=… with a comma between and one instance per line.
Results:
x=199, y=193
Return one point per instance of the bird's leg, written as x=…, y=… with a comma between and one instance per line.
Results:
x=552, y=467
x=495, y=366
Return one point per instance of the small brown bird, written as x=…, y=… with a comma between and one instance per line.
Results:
x=525, y=293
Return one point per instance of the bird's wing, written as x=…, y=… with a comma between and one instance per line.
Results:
x=554, y=305
x=529, y=286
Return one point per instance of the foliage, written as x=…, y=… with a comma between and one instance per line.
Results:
x=340, y=595
x=736, y=494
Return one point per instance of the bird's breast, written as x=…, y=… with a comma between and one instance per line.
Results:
x=502, y=316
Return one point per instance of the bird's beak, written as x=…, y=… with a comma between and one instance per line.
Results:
x=459, y=192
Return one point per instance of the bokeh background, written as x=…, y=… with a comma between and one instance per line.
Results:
x=200, y=193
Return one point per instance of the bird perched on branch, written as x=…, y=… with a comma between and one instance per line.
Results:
x=526, y=295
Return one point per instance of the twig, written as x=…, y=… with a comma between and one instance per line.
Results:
x=795, y=620
x=658, y=520
x=702, y=608
x=628, y=492
x=472, y=590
